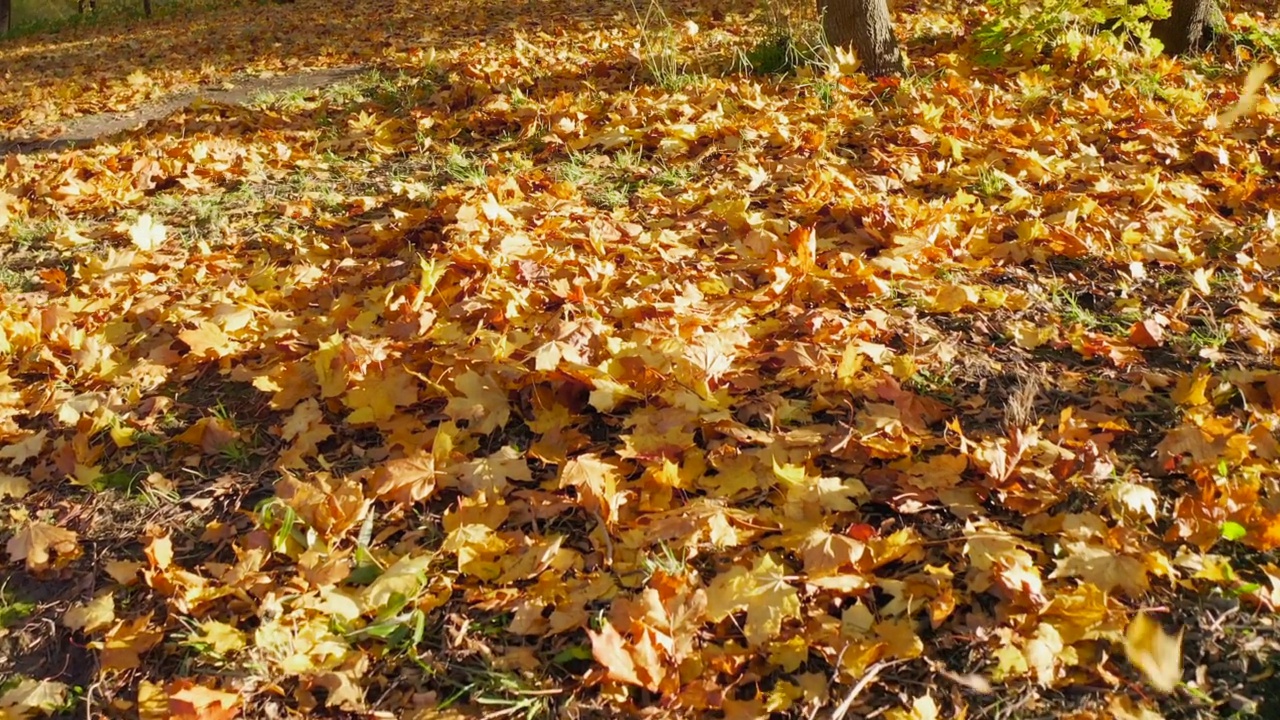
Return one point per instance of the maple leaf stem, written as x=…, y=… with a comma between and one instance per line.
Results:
x=608, y=541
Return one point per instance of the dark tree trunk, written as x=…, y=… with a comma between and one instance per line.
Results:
x=1191, y=26
x=6, y=16
x=865, y=26
x=146, y=7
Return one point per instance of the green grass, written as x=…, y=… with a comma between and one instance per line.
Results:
x=774, y=55
x=989, y=184
x=38, y=17
x=13, y=610
x=464, y=168
x=672, y=176
x=1072, y=312
x=16, y=281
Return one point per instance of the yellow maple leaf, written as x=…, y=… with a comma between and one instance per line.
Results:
x=483, y=404
x=92, y=616
x=477, y=548
x=406, y=480
x=1103, y=567
x=189, y=701
x=763, y=591
x=220, y=637
x=922, y=708
x=13, y=486
x=25, y=449
x=490, y=474
x=1192, y=389
x=609, y=648
x=824, y=551
x=596, y=481
x=30, y=697
x=208, y=340
x=146, y=234
x=376, y=398
x=1153, y=651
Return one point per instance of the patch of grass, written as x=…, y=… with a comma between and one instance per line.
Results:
x=31, y=233
x=826, y=92
x=1206, y=334
x=577, y=169
x=612, y=196
x=665, y=560
x=1252, y=36
x=774, y=55
x=660, y=51
x=672, y=176
x=291, y=100
x=989, y=184
x=461, y=167
x=1073, y=312
x=935, y=384
x=505, y=692
x=628, y=158
x=13, y=610
x=39, y=17
x=16, y=281
x=197, y=218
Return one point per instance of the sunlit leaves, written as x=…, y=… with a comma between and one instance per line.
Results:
x=504, y=366
x=763, y=592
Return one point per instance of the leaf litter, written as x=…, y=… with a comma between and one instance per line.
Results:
x=514, y=379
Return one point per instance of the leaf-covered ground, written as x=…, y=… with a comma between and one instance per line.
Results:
x=559, y=366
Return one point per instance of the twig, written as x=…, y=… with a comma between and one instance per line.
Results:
x=872, y=673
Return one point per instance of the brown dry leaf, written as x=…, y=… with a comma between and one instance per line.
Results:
x=19, y=452
x=36, y=542
x=211, y=434
x=406, y=480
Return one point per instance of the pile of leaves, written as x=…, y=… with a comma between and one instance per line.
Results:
x=517, y=377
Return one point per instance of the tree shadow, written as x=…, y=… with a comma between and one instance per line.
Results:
x=50, y=78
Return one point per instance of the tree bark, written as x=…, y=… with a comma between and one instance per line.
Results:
x=1190, y=26
x=865, y=26
x=6, y=16
x=146, y=7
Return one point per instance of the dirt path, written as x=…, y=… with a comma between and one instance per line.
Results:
x=90, y=128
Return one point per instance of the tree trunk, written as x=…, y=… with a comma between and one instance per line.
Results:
x=6, y=16
x=1190, y=26
x=865, y=26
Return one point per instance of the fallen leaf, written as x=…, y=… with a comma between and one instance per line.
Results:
x=1153, y=651
x=92, y=616
x=37, y=541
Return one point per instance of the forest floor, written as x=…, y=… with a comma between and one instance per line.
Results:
x=576, y=359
